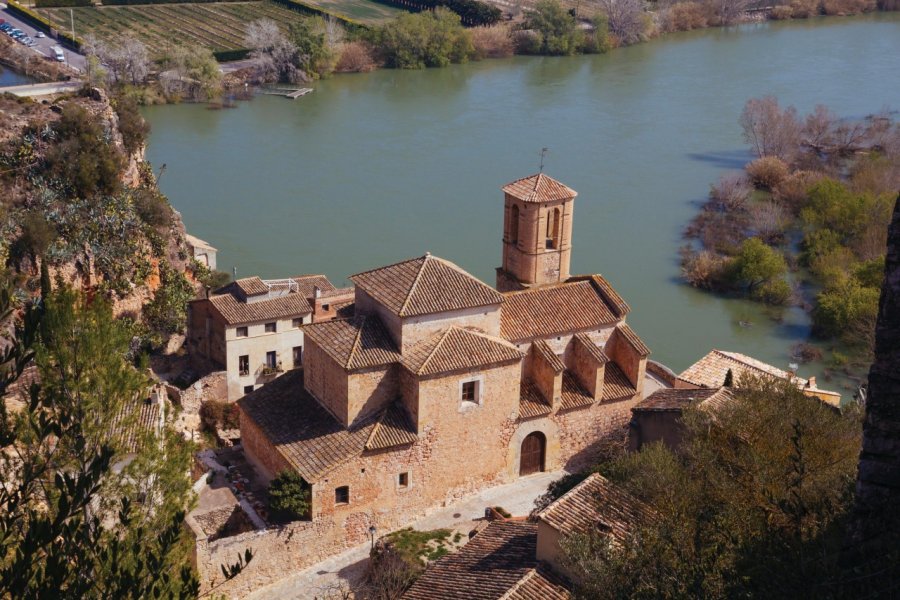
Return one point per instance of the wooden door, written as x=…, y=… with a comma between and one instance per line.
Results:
x=532, y=458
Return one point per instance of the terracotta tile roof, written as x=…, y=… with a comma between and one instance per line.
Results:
x=307, y=285
x=612, y=297
x=616, y=384
x=543, y=350
x=195, y=242
x=492, y=565
x=236, y=312
x=596, y=503
x=554, y=310
x=531, y=402
x=251, y=286
x=632, y=339
x=306, y=434
x=573, y=395
x=134, y=422
x=539, y=188
x=425, y=285
x=592, y=349
x=457, y=349
x=356, y=343
x=539, y=585
x=344, y=310
x=678, y=399
x=392, y=428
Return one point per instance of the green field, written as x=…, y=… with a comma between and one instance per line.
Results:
x=217, y=26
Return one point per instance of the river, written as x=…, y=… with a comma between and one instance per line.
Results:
x=379, y=167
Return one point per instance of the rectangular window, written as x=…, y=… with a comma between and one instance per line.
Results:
x=244, y=365
x=342, y=495
x=403, y=480
x=248, y=389
x=326, y=307
x=470, y=391
x=298, y=356
x=271, y=327
x=297, y=323
x=242, y=332
x=271, y=359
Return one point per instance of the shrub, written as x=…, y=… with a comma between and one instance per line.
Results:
x=685, y=16
x=792, y=190
x=803, y=9
x=132, y=126
x=428, y=39
x=492, y=42
x=167, y=312
x=767, y=172
x=556, y=28
x=731, y=192
x=848, y=311
x=83, y=157
x=37, y=235
x=152, y=207
x=704, y=269
x=220, y=415
x=289, y=496
x=598, y=39
x=758, y=267
x=847, y=7
x=781, y=13
x=355, y=57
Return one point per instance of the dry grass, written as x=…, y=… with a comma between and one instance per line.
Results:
x=685, y=16
x=847, y=7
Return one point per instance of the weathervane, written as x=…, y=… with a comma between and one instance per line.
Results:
x=543, y=154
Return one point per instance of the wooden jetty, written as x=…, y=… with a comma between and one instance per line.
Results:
x=292, y=93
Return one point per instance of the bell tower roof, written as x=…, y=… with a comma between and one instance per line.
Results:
x=539, y=188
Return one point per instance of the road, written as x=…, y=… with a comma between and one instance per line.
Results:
x=75, y=60
x=43, y=89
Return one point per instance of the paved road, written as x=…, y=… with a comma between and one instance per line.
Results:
x=75, y=60
x=43, y=89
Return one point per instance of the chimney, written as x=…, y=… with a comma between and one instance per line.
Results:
x=811, y=383
x=317, y=292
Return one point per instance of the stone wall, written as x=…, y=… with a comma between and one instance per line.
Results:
x=326, y=380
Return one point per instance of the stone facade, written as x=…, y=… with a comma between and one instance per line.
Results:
x=423, y=395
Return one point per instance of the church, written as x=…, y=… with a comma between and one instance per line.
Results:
x=431, y=384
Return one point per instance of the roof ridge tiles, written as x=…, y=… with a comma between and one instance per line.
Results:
x=434, y=350
x=415, y=283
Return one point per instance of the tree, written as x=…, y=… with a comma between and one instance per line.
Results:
x=289, y=496
x=847, y=310
x=56, y=537
x=747, y=508
x=758, y=267
x=559, y=33
x=191, y=71
x=128, y=61
x=426, y=39
x=626, y=19
x=273, y=54
x=769, y=130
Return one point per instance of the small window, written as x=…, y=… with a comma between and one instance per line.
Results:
x=342, y=495
x=469, y=390
x=296, y=323
x=244, y=365
x=242, y=332
x=271, y=327
x=403, y=480
x=271, y=359
x=248, y=389
x=326, y=307
x=298, y=356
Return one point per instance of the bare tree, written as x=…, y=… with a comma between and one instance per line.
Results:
x=626, y=19
x=127, y=61
x=728, y=11
x=769, y=220
x=769, y=130
x=275, y=57
x=732, y=192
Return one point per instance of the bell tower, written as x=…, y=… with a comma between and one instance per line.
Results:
x=537, y=233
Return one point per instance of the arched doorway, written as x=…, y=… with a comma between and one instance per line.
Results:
x=534, y=448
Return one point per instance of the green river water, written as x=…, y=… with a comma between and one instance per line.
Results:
x=375, y=168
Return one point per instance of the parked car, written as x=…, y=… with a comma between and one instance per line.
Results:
x=40, y=34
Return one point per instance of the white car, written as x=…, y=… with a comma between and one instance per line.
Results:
x=40, y=34
x=58, y=54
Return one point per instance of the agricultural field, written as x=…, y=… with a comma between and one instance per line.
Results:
x=217, y=26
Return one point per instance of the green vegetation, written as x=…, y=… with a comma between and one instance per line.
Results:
x=167, y=312
x=427, y=39
x=417, y=546
x=472, y=12
x=289, y=497
x=72, y=527
x=752, y=506
x=827, y=181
